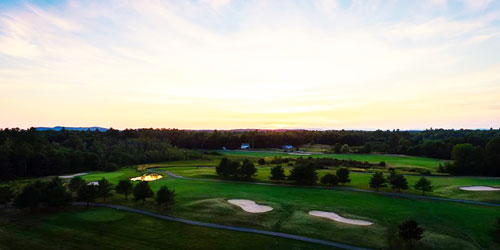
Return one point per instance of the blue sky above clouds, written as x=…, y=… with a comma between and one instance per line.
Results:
x=263, y=64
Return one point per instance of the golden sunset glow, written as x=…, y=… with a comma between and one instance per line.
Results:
x=147, y=177
x=250, y=64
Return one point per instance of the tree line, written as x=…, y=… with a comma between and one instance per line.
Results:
x=474, y=160
x=32, y=153
x=57, y=193
x=304, y=173
x=435, y=143
x=25, y=153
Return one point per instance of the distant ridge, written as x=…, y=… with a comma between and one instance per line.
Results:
x=59, y=128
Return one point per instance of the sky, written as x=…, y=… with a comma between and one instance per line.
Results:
x=226, y=64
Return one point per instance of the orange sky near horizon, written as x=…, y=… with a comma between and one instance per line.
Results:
x=250, y=64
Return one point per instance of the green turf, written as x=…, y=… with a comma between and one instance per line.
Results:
x=103, y=228
x=448, y=225
x=443, y=186
x=123, y=173
x=391, y=160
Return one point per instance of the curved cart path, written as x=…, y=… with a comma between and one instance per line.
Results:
x=402, y=195
x=224, y=227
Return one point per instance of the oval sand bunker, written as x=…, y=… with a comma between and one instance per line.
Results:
x=336, y=217
x=250, y=206
x=479, y=188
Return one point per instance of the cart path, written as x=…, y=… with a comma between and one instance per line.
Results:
x=401, y=195
x=224, y=227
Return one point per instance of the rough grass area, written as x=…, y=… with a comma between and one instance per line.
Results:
x=391, y=160
x=444, y=186
x=104, y=228
x=446, y=223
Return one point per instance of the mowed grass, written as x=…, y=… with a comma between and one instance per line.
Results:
x=444, y=186
x=391, y=160
x=448, y=225
x=104, y=228
x=114, y=177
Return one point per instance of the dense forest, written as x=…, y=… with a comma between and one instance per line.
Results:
x=25, y=153
x=435, y=143
x=39, y=153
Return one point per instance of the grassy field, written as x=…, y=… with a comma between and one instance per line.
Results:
x=443, y=186
x=448, y=225
x=397, y=161
x=104, y=228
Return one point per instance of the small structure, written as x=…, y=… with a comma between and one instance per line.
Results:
x=245, y=146
x=287, y=147
x=224, y=148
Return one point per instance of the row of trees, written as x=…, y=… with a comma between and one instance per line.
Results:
x=475, y=160
x=32, y=153
x=40, y=153
x=398, y=182
x=57, y=193
x=305, y=174
x=435, y=143
x=235, y=169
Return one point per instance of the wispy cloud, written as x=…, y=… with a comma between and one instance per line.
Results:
x=194, y=64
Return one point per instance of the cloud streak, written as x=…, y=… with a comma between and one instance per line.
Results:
x=230, y=64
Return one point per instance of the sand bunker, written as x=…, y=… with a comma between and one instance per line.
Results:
x=93, y=183
x=336, y=217
x=71, y=176
x=299, y=153
x=147, y=177
x=479, y=188
x=250, y=206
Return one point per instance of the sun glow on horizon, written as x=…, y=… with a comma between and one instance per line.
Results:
x=250, y=64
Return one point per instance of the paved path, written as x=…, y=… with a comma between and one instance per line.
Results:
x=402, y=195
x=224, y=227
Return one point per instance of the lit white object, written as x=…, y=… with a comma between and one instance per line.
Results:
x=147, y=177
x=338, y=218
x=479, y=188
x=250, y=206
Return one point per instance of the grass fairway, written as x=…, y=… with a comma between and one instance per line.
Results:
x=447, y=187
x=448, y=225
x=391, y=160
x=104, y=228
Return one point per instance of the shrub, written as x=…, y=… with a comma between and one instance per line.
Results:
x=76, y=183
x=87, y=193
x=398, y=181
x=277, y=174
x=247, y=170
x=31, y=196
x=330, y=180
x=343, y=175
x=55, y=193
x=124, y=187
x=410, y=232
x=104, y=189
x=142, y=191
x=304, y=174
x=165, y=196
x=423, y=185
x=378, y=180
x=6, y=195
